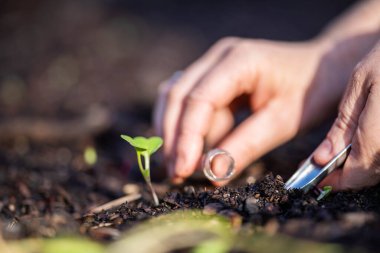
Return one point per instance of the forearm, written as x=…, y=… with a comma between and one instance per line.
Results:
x=362, y=18
x=354, y=33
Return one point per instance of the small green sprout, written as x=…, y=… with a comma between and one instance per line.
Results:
x=90, y=156
x=145, y=147
x=325, y=192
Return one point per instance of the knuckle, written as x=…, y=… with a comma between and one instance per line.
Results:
x=198, y=96
x=175, y=93
x=359, y=74
x=375, y=77
x=344, y=121
x=375, y=86
x=227, y=41
x=241, y=48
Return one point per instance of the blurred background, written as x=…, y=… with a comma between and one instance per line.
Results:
x=58, y=58
x=74, y=74
x=84, y=71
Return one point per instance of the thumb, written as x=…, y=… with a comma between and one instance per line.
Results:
x=344, y=127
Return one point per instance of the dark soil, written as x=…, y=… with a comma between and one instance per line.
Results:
x=349, y=218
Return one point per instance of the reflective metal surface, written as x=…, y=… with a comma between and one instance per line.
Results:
x=310, y=174
x=207, y=165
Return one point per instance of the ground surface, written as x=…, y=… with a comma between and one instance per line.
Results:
x=76, y=74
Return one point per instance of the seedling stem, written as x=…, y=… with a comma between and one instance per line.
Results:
x=144, y=149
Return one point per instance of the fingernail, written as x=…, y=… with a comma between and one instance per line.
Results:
x=323, y=152
x=177, y=180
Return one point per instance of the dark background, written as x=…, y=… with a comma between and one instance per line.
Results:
x=58, y=58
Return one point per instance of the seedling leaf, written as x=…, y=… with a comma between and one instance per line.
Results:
x=151, y=144
x=325, y=192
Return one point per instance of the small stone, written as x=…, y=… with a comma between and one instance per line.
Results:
x=226, y=195
x=284, y=199
x=279, y=179
x=252, y=205
x=11, y=207
x=189, y=189
x=257, y=195
x=131, y=189
x=117, y=221
x=89, y=219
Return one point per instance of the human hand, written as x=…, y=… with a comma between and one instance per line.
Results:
x=357, y=123
x=288, y=86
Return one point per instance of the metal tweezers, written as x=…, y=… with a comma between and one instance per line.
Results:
x=309, y=175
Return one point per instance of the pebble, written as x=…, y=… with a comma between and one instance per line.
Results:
x=284, y=199
x=89, y=219
x=131, y=189
x=252, y=205
x=190, y=190
x=118, y=221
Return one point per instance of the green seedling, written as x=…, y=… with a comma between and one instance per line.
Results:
x=145, y=147
x=325, y=192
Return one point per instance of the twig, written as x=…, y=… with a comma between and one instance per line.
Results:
x=116, y=202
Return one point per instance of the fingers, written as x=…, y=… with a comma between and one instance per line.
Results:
x=362, y=167
x=216, y=90
x=171, y=99
x=160, y=105
x=256, y=136
x=345, y=125
x=220, y=125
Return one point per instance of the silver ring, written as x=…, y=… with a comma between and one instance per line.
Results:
x=207, y=164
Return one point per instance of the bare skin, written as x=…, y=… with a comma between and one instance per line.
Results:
x=287, y=86
x=357, y=123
